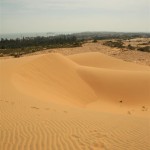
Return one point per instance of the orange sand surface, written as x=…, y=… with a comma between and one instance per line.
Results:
x=86, y=101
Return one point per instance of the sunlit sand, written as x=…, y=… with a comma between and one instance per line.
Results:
x=87, y=101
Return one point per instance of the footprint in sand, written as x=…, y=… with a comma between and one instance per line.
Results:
x=35, y=107
x=75, y=136
x=129, y=112
x=98, y=146
x=144, y=108
x=8, y=102
x=95, y=133
x=120, y=101
x=65, y=111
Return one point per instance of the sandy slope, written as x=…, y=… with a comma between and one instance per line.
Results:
x=83, y=101
x=96, y=59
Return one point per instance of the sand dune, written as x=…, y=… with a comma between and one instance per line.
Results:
x=69, y=82
x=87, y=101
x=54, y=77
x=96, y=59
x=114, y=85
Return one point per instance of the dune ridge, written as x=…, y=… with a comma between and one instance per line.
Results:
x=84, y=101
x=68, y=81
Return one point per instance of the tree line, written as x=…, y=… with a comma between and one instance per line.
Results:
x=30, y=44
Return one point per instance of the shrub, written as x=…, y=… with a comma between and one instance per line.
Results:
x=118, y=44
x=130, y=47
x=1, y=55
x=144, y=49
x=94, y=41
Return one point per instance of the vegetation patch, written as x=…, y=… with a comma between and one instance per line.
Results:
x=118, y=44
x=18, y=47
x=144, y=49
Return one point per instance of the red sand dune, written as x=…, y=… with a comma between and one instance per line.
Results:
x=83, y=101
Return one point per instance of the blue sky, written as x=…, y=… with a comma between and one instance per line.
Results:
x=74, y=15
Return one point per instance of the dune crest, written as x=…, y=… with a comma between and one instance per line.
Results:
x=99, y=60
x=59, y=79
x=55, y=78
